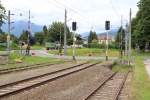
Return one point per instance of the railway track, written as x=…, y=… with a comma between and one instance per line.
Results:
x=110, y=88
x=16, y=87
x=25, y=67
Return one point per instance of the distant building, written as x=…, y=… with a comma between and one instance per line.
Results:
x=102, y=38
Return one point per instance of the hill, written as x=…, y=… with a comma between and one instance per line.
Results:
x=19, y=26
x=112, y=32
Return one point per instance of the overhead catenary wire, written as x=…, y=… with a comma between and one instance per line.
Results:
x=114, y=8
x=71, y=10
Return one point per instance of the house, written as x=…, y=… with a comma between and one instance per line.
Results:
x=102, y=38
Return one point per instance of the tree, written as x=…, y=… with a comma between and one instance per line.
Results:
x=120, y=38
x=2, y=16
x=14, y=38
x=3, y=37
x=79, y=40
x=45, y=30
x=24, y=36
x=92, y=36
x=39, y=37
x=141, y=25
x=56, y=31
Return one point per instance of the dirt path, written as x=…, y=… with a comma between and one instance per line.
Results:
x=147, y=66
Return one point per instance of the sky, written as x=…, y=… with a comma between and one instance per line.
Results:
x=89, y=14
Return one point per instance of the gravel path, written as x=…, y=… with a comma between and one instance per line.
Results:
x=76, y=86
x=109, y=90
x=12, y=77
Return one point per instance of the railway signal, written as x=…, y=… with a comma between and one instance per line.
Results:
x=107, y=27
x=74, y=27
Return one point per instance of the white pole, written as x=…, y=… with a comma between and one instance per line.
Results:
x=74, y=39
x=129, y=55
x=107, y=46
x=8, y=36
x=65, y=33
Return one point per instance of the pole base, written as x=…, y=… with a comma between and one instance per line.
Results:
x=74, y=58
x=106, y=58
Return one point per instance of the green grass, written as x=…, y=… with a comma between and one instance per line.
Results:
x=86, y=51
x=141, y=81
x=37, y=47
x=121, y=68
x=28, y=60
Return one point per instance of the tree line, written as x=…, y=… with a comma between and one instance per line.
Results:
x=141, y=27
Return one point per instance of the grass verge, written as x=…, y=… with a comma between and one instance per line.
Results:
x=28, y=60
x=121, y=68
x=141, y=81
x=86, y=51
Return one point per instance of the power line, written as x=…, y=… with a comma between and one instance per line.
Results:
x=70, y=9
x=66, y=7
x=60, y=7
x=114, y=8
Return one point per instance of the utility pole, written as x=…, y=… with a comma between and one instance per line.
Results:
x=65, y=34
x=126, y=40
x=9, y=30
x=129, y=52
x=29, y=32
x=29, y=27
x=60, y=42
x=121, y=39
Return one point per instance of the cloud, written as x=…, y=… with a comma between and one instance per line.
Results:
x=87, y=13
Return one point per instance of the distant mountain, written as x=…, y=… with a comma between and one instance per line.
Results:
x=85, y=34
x=19, y=26
x=112, y=32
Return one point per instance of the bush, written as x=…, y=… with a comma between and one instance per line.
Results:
x=113, y=45
x=14, y=46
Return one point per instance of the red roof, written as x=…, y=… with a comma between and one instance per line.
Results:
x=103, y=37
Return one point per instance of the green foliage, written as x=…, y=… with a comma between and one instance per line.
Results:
x=92, y=36
x=39, y=37
x=120, y=38
x=14, y=46
x=141, y=25
x=45, y=30
x=121, y=68
x=28, y=60
x=94, y=45
x=55, y=31
x=14, y=39
x=2, y=16
x=79, y=40
x=141, y=82
x=24, y=36
x=113, y=45
x=3, y=37
x=97, y=52
x=3, y=40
